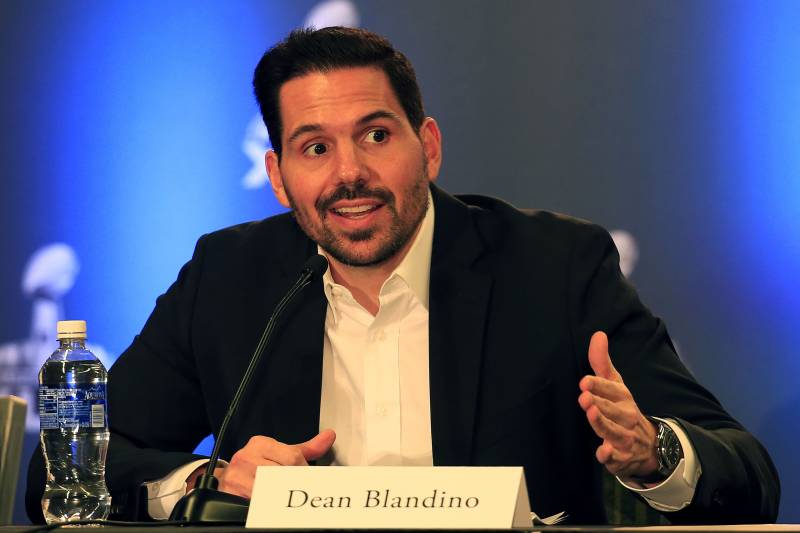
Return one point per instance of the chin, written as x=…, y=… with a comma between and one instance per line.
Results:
x=374, y=256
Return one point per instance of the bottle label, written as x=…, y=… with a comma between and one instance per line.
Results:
x=72, y=406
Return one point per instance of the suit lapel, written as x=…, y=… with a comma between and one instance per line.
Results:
x=294, y=363
x=459, y=298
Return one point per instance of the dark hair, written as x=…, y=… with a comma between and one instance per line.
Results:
x=309, y=50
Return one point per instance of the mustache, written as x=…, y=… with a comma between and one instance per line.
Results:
x=353, y=192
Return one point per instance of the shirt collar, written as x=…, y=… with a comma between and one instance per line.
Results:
x=415, y=267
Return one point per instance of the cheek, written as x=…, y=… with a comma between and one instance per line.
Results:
x=413, y=174
x=399, y=172
x=303, y=196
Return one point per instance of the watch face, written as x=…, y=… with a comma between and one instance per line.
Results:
x=673, y=449
x=669, y=449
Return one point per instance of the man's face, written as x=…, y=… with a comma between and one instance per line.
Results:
x=352, y=168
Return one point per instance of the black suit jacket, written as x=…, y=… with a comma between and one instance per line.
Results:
x=514, y=299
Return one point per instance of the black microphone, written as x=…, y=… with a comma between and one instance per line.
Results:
x=206, y=503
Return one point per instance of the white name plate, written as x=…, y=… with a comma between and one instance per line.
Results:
x=385, y=497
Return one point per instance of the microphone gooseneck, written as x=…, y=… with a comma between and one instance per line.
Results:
x=205, y=503
x=312, y=268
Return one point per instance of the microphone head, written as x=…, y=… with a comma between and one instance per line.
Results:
x=316, y=266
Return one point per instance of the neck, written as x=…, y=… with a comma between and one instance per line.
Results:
x=365, y=282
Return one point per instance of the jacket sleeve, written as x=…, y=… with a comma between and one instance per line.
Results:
x=156, y=409
x=739, y=482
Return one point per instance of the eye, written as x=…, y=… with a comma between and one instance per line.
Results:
x=377, y=136
x=315, y=149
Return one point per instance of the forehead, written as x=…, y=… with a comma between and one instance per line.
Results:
x=336, y=97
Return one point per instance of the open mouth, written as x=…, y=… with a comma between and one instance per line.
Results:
x=355, y=212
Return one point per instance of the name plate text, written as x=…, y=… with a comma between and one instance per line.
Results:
x=376, y=497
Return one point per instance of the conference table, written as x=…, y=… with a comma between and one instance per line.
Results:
x=134, y=528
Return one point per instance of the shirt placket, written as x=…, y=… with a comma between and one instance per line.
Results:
x=382, y=387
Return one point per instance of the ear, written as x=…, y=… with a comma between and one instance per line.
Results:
x=275, y=177
x=431, y=139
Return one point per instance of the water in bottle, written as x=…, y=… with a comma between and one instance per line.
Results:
x=73, y=422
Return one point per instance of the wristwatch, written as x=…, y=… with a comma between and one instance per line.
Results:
x=668, y=449
x=668, y=452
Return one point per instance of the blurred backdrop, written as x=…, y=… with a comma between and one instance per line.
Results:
x=129, y=129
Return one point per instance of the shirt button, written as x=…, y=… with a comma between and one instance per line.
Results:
x=381, y=410
x=380, y=335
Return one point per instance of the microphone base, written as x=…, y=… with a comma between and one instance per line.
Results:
x=208, y=505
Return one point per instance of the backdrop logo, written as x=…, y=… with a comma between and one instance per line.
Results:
x=256, y=138
x=628, y=250
x=255, y=143
x=49, y=275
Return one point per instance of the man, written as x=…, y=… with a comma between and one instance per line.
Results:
x=447, y=331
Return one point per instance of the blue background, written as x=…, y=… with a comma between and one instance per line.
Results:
x=122, y=128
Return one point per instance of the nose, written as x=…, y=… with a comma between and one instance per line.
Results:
x=350, y=165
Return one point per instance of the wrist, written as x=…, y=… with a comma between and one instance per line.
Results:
x=667, y=451
x=191, y=481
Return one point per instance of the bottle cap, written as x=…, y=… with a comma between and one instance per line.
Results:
x=71, y=329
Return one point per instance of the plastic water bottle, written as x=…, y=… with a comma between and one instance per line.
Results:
x=73, y=422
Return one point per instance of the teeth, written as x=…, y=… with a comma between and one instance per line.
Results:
x=355, y=209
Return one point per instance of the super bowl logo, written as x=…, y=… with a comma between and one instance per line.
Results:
x=256, y=139
x=49, y=275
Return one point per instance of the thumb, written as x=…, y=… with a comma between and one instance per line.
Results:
x=599, y=359
x=318, y=446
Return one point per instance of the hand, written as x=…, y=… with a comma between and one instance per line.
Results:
x=629, y=438
x=238, y=477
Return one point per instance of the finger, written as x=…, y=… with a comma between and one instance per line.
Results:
x=604, y=453
x=315, y=448
x=286, y=455
x=613, y=457
x=613, y=464
x=620, y=412
x=617, y=464
x=607, y=429
x=599, y=358
x=261, y=450
x=611, y=390
x=585, y=400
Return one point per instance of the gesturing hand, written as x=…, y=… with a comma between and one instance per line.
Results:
x=238, y=477
x=628, y=448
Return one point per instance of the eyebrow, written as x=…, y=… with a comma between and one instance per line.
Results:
x=376, y=115
x=306, y=128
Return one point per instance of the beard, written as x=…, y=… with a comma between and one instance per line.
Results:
x=374, y=245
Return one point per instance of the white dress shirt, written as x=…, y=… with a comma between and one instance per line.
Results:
x=376, y=390
x=375, y=386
